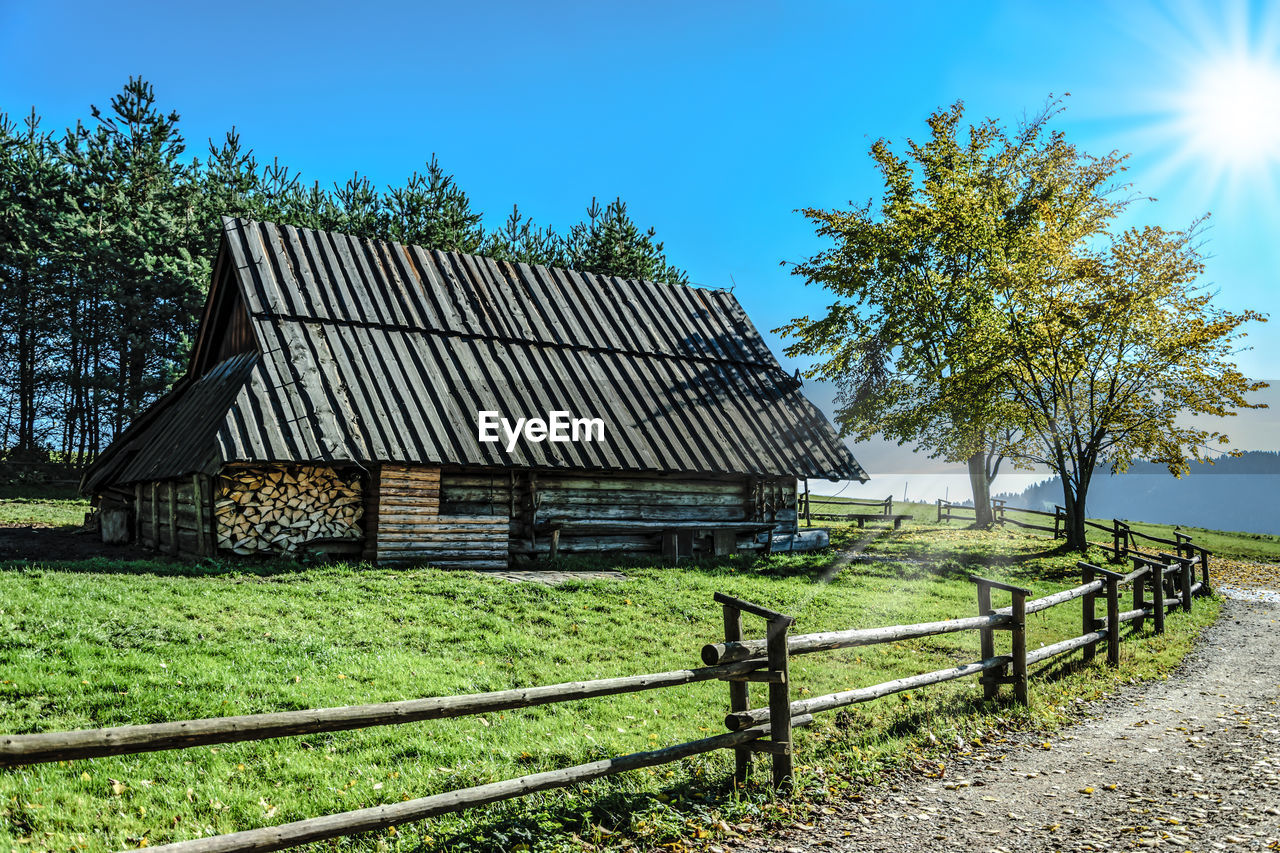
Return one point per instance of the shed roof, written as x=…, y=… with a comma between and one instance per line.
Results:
x=369, y=351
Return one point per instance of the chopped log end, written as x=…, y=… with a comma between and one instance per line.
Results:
x=281, y=510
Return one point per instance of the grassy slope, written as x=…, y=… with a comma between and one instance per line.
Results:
x=93, y=644
x=42, y=512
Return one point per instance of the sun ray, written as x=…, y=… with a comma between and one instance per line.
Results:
x=1208, y=132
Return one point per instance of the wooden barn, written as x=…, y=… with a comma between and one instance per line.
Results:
x=344, y=395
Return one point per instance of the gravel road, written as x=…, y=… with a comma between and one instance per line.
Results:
x=1191, y=763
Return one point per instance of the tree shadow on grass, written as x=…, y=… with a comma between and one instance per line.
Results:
x=583, y=812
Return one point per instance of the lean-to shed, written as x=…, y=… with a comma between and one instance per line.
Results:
x=339, y=389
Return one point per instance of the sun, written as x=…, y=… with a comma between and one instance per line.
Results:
x=1202, y=108
x=1231, y=113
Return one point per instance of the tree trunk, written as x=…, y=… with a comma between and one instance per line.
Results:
x=981, y=489
x=1073, y=503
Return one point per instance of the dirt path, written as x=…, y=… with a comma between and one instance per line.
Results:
x=1192, y=763
x=31, y=543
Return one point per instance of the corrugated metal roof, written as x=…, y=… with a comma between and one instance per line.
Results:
x=376, y=351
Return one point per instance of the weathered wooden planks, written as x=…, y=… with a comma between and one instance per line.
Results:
x=411, y=528
x=616, y=512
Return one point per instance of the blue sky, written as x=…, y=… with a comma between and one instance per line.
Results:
x=714, y=121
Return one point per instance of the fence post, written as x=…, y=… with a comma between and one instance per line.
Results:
x=1019, y=632
x=1159, y=589
x=888, y=505
x=739, y=693
x=939, y=510
x=1113, y=620
x=807, y=521
x=1204, y=572
x=1139, y=595
x=1183, y=540
x=779, y=701
x=1088, y=616
x=1184, y=578
x=1059, y=521
x=987, y=640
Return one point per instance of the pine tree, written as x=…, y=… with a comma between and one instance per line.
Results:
x=608, y=242
x=33, y=199
x=107, y=236
x=144, y=241
x=432, y=211
x=520, y=241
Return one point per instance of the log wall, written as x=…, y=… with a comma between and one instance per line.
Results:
x=174, y=516
x=411, y=528
x=284, y=508
x=533, y=500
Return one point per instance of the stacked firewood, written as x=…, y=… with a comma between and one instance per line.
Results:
x=281, y=509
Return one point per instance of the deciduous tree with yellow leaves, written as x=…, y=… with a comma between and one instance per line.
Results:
x=985, y=311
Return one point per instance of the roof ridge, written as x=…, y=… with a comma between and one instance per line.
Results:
x=229, y=222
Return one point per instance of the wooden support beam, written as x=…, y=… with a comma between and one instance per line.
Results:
x=761, y=677
x=155, y=515
x=1139, y=596
x=173, y=516
x=1113, y=622
x=1158, y=592
x=986, y=637
x=780, y=702
x=202, y=533
x=1088, y=611
x=739, y=693
x=767, y=747
x=1018, y=632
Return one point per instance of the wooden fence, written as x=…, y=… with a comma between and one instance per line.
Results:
x=737, y=660
x=857, y=510
x=1124, y=543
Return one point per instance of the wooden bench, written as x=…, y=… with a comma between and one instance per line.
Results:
x=677, y=536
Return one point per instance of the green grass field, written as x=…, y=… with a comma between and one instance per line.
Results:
x=43, y=512
x=94, y=643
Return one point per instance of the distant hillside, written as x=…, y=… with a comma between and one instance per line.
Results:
x=1240, y=493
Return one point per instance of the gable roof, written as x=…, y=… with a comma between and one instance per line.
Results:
x=369, y=351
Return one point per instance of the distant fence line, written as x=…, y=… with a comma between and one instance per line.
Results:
x=14, y=472
x=862, y=510
x=1124, y=539
x=736, y=660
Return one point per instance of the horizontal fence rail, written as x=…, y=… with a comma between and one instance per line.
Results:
x=714, y=654
x=122, y=740
x=745, y=719
x=1159, y=583
x=382, y=817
